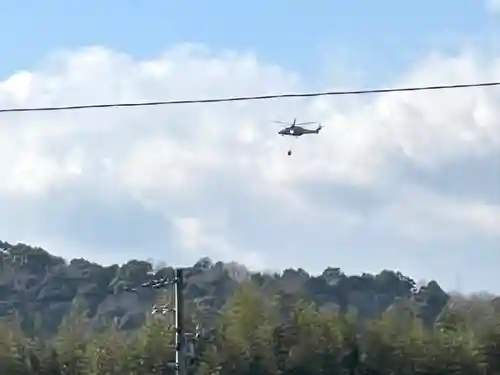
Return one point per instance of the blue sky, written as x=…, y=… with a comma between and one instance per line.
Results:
x=384, y=36
x=407, y=182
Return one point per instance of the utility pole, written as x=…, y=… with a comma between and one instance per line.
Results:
x=182, y=346
x=180, y=337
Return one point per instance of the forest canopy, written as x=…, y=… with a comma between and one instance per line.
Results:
x=76, y=317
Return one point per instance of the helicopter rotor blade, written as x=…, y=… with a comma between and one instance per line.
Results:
x=282, y=123
x=306, y=123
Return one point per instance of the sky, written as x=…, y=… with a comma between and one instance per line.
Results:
x=403, y=181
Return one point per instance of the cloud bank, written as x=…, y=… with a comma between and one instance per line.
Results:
x=407, y=180
x=493, y=5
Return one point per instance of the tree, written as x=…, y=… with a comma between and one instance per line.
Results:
x=247, y=325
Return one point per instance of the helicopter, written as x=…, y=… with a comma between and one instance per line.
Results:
x=296, y=130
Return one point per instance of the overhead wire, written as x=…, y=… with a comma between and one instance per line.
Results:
x=251, y=98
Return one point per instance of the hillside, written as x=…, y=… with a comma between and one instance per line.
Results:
x=41, y=287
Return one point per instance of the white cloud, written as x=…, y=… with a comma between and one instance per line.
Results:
x=428, y=216
x=194, y=237
x=493, y=5
x=386, y=172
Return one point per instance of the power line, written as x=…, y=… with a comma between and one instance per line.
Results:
x=248, y=98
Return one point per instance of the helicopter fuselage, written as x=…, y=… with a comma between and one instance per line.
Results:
x=297, y=131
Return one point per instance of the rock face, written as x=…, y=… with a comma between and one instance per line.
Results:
x=42, y=289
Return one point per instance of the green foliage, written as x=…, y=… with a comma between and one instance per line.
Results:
x=253, y=324
x=252, y=337
x=41, y=288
